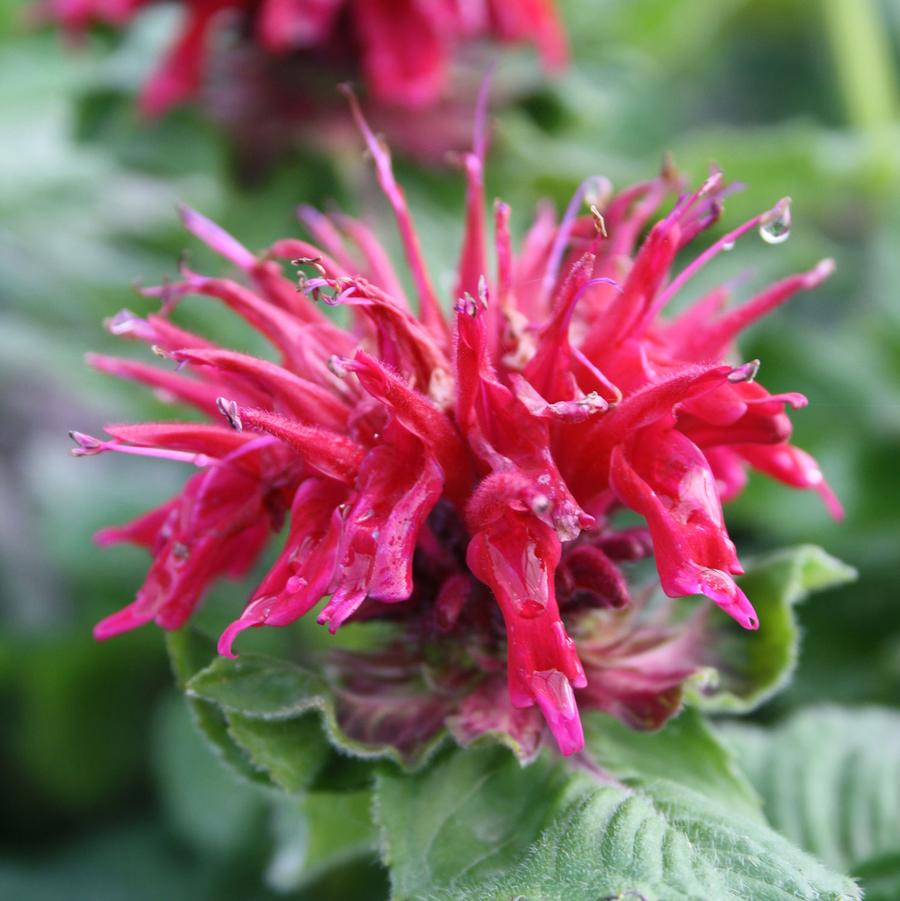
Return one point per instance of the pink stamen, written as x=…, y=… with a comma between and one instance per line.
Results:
x=215, y=237
x=430, y=308
x=697, y=264
x=88, y=446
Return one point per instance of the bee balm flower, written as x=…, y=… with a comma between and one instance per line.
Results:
x=461, y=473
x=402, y=49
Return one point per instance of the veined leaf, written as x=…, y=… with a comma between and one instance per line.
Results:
x=686, y=751
x=477, y=826
x=830, y=781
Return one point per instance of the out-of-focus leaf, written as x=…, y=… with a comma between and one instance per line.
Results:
x=880, y=877
x=77, y=732
x=830, y=781
x=189, y=652
x=130, y=863
x=205, y=805
x=318, y=833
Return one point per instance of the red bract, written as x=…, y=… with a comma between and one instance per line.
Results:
x=402, y=49
x=462, y=475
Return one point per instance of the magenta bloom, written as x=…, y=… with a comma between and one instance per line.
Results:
x=463, y=475
x=402, y=49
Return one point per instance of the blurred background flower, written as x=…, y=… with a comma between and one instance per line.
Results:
x=109, y=794
x=266, y=69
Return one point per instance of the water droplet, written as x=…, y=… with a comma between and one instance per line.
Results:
x=775, y=228
x=717, y=581
x=728, y=245
x=531, y=608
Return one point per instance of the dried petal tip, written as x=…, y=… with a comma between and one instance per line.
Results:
x=337, y=365
x=467, y=305
x=127, y=323
x=599, y=221
x=315, y=262
x=229, y=409
x=713, y=181
x=87, y=445
x=744, y=373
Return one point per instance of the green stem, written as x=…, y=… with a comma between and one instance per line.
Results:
x=862, y=58
x=866, y=75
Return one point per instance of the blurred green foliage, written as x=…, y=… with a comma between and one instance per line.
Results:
x=108, y=792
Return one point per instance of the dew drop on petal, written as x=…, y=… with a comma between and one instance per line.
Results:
x=531, y=608
x=294, y=584
x=775, y=228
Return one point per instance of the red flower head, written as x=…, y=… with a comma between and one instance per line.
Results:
x=462, y=476
x=402, y=49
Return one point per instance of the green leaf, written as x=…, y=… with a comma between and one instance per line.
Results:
x=265, y=688
x=753, y=666
x=342, y=773
x=469, y=815
x=322, y=831
x=664, y=844
x=477, y=826
x=189, y=652
x=291, y=752
x=686, y=751
x=259, y=686
x=880, y=877
x=830, y=781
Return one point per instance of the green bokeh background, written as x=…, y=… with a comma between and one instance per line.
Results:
x=107, y=793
